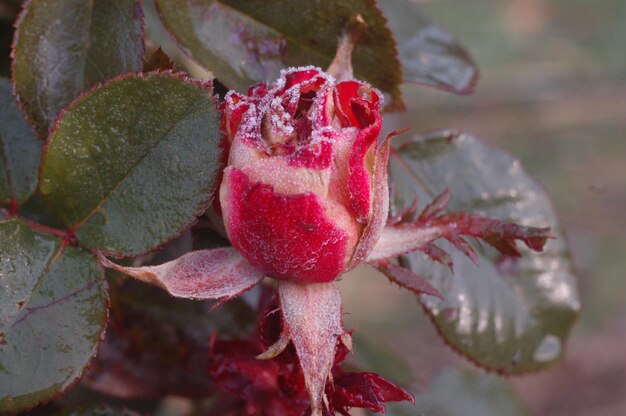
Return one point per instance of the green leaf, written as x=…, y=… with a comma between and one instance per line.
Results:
x=20, y=151
x=133, y=162
x=511, y=315
x=244, y=42
x=428, y=53
x=462, y=393
x=131, y=365
x=62, y=48
x=52, y=315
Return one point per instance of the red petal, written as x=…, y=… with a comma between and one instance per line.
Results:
x=346, y=94
x=312, y=316
x=287, y=236
x=206, y=274
x=359, y=176
x=380, y=205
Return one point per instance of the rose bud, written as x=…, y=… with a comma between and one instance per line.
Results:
x=304, y=198
x=300, y=196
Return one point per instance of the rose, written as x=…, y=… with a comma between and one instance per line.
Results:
x=304, y=198
x=297, y=194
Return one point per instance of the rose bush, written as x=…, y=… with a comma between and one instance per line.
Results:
x=132, y=160
x=304, y=199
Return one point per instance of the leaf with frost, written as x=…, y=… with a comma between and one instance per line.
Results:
x=20, y=151
x=132, y=163
x=53, y=309
x=508, y=314
x=244, y=42
x=63, y=48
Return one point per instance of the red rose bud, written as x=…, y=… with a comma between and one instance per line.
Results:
x=300, y=196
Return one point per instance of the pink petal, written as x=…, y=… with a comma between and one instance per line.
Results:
x=312, y=316
x=220, y=273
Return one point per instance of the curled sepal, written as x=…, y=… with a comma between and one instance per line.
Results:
x=312, y=318
x=205, y=274
x=433, y=223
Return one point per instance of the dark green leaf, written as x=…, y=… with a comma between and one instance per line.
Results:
x=511, y=315
x=463, y=393
x=244, y=42
x=52, y=315
x=133, y=162
x=20, y=150
x=429, y=55
x=64, y=47
x=157, y=345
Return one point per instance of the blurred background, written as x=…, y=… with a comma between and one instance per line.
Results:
x=553, y=93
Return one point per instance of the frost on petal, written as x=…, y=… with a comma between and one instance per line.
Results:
x=287, y=236
x=357, y=106
x=220, y=273
x=312, y=316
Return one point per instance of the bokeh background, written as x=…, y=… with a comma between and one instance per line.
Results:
x=553, y=93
